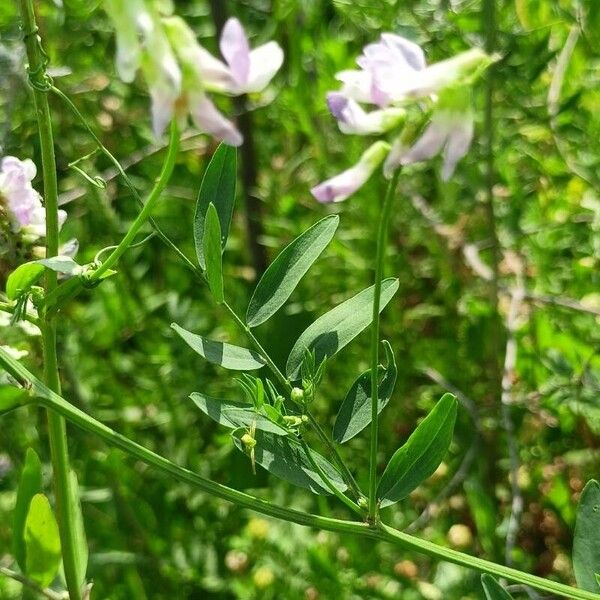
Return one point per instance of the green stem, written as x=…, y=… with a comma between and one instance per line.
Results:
x=382, y=237
x=348, y=478
x=340, y=495
x=198, y=273
x=122, y=173
x=274, y=368
x=346, y=474
x=144, y=214
x=57, y=431
x=377, y=531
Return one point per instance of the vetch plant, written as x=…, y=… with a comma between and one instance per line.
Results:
x=271, y=418
x=179, y=72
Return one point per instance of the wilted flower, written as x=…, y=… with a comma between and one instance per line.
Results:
x=179, y=71
x=21, y=203
x=393, y=75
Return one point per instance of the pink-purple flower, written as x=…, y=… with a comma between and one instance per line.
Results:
x=393, y=76
x=180, y=73
x=20, y=201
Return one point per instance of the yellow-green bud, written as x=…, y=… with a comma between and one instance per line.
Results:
x=248, y=441
x=297, y=395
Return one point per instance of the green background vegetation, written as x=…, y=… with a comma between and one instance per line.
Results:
x=152, y=538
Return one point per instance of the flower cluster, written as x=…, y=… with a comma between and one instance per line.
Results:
x=180, y=72
x=394, y=77
x=21, y=204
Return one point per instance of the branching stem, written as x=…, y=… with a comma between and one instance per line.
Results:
x=377, y=530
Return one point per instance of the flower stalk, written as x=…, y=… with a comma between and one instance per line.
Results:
x=382, y=237
x=57, y=431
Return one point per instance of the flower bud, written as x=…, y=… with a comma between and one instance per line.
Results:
x=248, y=441
x=297, y=395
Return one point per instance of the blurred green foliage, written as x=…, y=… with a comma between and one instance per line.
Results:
x=151, y=538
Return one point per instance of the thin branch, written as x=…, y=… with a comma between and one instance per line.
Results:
x=510, y=362
x=32, y=585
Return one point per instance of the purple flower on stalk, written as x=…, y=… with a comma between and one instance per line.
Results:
x=244, y=71
x=450, y=131
x=393, y=75
x=21, y=203
x=179, y=71
x=342, y=186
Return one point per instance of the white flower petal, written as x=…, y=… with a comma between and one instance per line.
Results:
x=356, y=84
x=207, y=118
x=429, y=144
x=458, y=144
x=236, y=50
x=265, y=61
x=163, y=106
x=412, y=53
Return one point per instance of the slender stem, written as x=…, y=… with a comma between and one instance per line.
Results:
x=274, y=368
x=382, y=237
x=198, y=273
x=122, y=173
x=144, y=214
x=57, y=431
x=377, y=531
x=32, y=585
x=340, y=495
x=346, y=474
x=348, y=478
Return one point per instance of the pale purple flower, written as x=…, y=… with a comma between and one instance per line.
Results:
x=22, y=203
x=342, y=186
x=179, y=71
x=244, y=71
x=394, y=71
x=392, y=74
x=352, y=119
x=249, y=70
x=450, y=132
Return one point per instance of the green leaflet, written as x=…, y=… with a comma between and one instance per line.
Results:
x=220, y=353
x=493, y=590
x=421, y=454
x=218, y=187
x=285, y=458
x=26, y=275
x=281, y=278
x=586, y=543
x=213, y=254
x=11, y=397
x=79, y=528
x=355, y=412
x=337, y=328
x=22, y=278
x=29, y=485
x=42, y=542
x=235, y=414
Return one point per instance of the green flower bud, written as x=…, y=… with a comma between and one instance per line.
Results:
x=248, y=441
x=297, y=395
